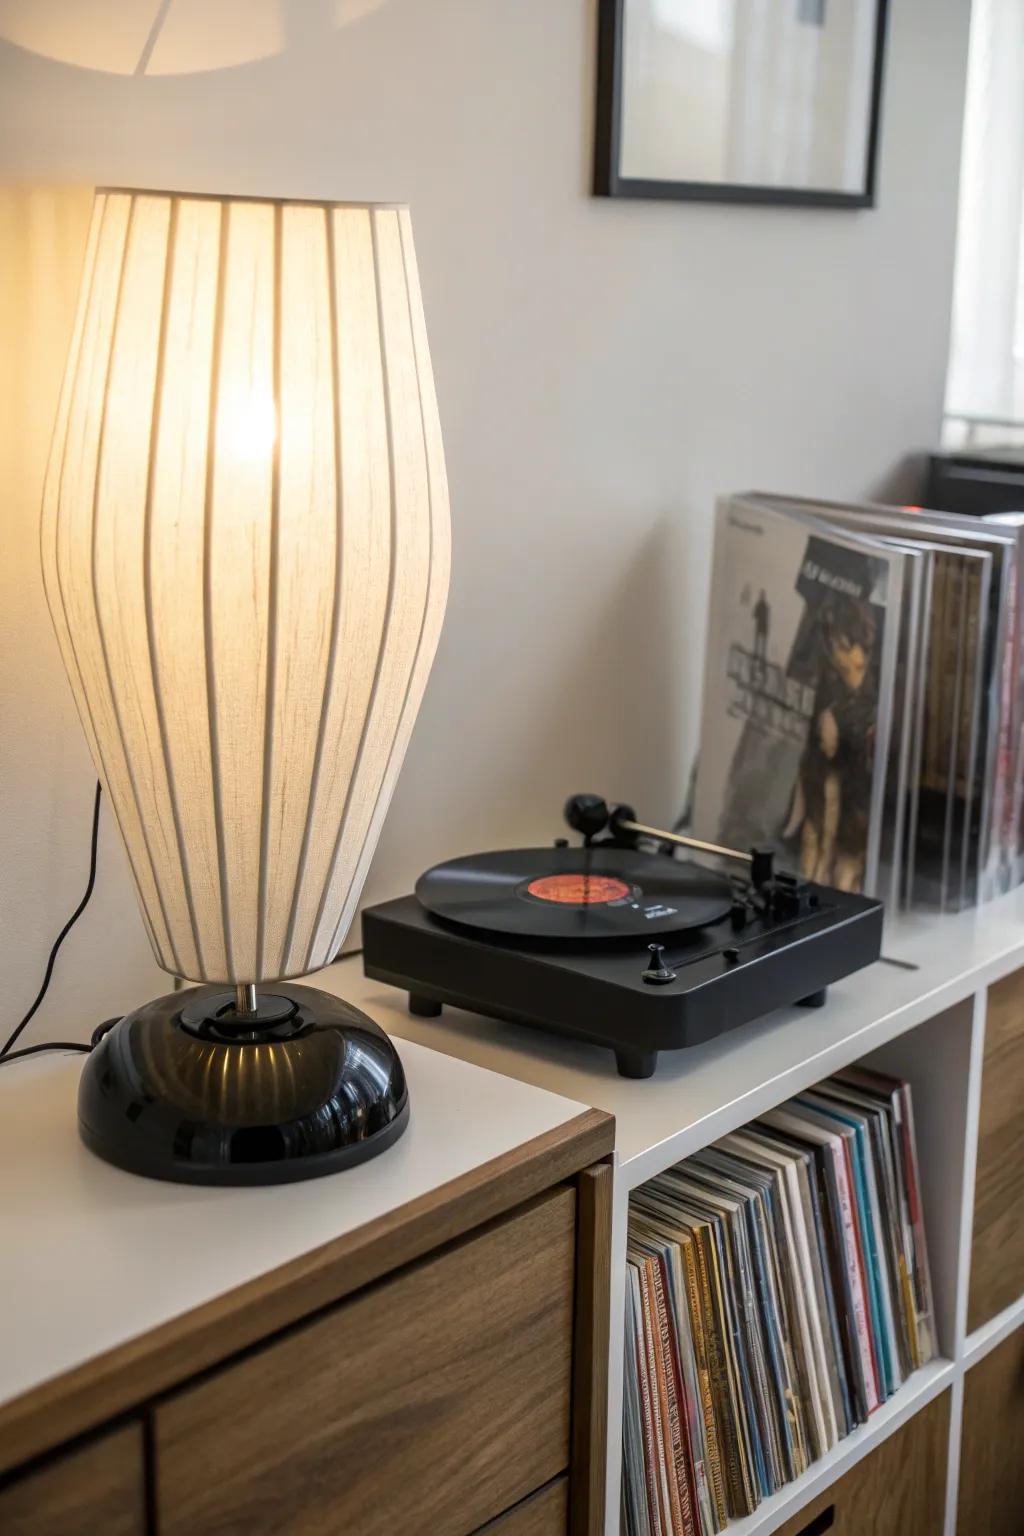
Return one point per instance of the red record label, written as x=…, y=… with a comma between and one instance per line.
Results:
x=578, y=890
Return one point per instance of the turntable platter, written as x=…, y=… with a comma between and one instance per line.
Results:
x=574, y=893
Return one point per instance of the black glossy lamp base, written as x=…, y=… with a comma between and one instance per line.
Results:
x=188, y=1089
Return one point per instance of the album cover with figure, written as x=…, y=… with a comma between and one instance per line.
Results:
x=961, y=845
x=798, y=692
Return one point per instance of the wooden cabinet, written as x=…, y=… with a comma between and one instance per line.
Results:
x=545, y=1513
x=991, y=1499
x=897, y=1490
x=441, y=1369
x=98, y=1488
x=432, y=1402
x=997, y=1254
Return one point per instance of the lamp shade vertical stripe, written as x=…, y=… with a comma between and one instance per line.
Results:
x=245, y=550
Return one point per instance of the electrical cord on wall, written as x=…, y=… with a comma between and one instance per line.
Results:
x=7, y=1051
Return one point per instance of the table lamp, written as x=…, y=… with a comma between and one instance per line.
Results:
x=245, y=545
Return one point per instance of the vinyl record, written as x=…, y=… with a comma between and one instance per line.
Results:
x=574, y=893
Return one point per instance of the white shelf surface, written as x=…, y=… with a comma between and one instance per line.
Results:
x=91, y=1256
x=701, y=1093
x=991, y=1334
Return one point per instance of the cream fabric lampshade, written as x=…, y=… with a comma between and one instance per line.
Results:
x=245, y=548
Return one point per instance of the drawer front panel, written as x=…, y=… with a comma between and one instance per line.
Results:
x=432, y=1402
x=991, y=1496
x=898, y=1490
x=997, y=1254
x=97, y=1488
x=543, y=1514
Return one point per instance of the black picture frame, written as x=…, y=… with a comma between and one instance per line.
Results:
x=609, y=183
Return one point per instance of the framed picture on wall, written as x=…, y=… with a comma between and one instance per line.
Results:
x=741, y=101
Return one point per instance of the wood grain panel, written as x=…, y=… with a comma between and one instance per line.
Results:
x=431, y=1403
x=997, y=1255
x=545, y=1513
x=97, y=1490
x=898, y=1490
x=167, y=1356
x=590, y=1375
x=991, y=1499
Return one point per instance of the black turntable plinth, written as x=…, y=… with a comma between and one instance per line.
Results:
x=616, y=945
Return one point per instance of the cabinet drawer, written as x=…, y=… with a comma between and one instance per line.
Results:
x=997, y=1253
x=897, y=1490
x=543, y=1514
x=97, y=1488
x=991, y=1467
x=431, y=1402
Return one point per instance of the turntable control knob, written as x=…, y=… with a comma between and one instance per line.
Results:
x=657, y=972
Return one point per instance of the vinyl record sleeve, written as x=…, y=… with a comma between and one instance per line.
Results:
x=884, y=1289
x=803, y=629
x=679, y=1468
x=634, y=1470
x=796, y=1135
x=717, y=1513
x=769, y=1413
x=827, y=1296
x=679, y=1472
x=900, y=803
x=652, y=1214
x=777, y=1292
x=1001, y=727
x=897, y=1093
x=961, y=732
x=922, y=1272
x=736, y=1436
x=777, y=1151
x=745, y=1376
x=733, y=1437
x=744, y=1150
x=657, y=1451
x=854, y=1400
x=948, y=862
x=882, y=1129
x=818, y=1279
x=647, y=1507
x=823, y=1423
x=753, y=1188
x=650, y=1233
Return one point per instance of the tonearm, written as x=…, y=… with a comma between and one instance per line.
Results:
x=593, y=817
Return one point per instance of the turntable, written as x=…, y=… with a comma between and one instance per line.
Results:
x=619, y=941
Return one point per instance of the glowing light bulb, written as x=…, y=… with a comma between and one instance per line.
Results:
x=247, y=427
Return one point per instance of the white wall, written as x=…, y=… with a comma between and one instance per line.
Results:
x=604, y=368
x=46, y=778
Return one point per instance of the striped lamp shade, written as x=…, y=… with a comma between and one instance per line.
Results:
x=245, y=544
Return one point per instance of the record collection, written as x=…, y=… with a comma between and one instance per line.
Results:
x=777, y=1293
x=864, y=697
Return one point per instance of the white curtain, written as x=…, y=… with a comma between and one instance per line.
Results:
x=986, y=369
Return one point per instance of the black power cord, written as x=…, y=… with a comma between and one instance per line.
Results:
x=7, y=1051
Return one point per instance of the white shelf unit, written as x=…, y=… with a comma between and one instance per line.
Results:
x=919, y=1013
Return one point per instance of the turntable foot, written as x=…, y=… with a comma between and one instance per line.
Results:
x=423, y=1007
x=814, y=999
x=636, y=1063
